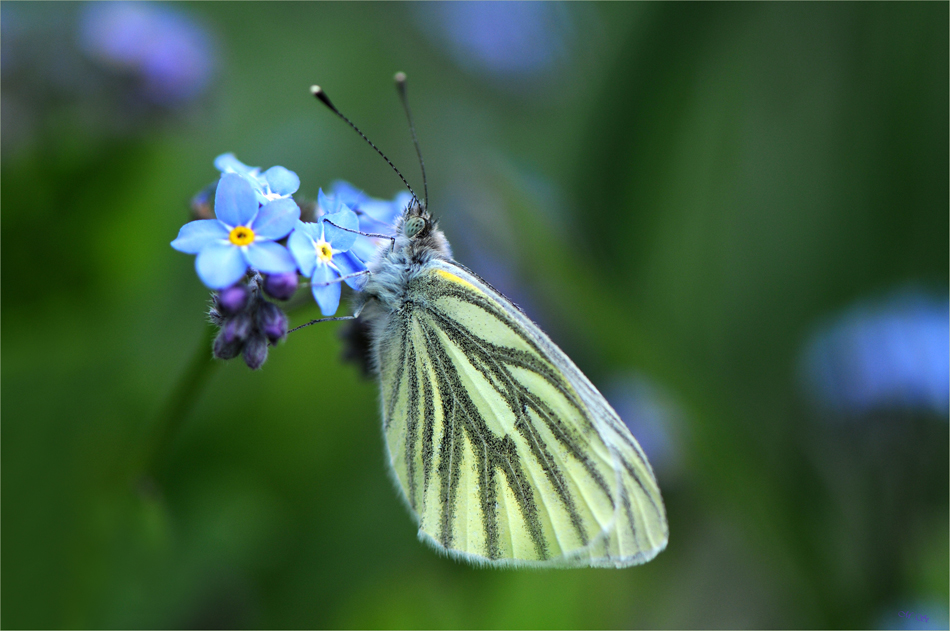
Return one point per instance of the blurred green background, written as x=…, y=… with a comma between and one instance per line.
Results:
x=680, y=194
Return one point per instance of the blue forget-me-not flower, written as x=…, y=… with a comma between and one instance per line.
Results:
x=320, y=250
x=274, y=183
x=240, y=257
x=243, y=235
x=376, y=216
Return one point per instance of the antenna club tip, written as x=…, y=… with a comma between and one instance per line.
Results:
x=318, y=92
x=400, y=77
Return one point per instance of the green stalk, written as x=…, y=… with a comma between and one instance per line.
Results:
x=179, y=404
x=181, y=400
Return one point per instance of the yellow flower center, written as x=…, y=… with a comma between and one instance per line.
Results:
x=324, y=251
x=242, y=235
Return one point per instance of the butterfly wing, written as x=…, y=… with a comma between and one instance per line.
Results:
x=503, y=449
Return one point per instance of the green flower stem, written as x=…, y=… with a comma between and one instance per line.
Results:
x=179, y=403
x=181, y=400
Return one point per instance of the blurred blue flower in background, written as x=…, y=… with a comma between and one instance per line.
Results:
x=320, y=250
x=108, y=70
x=481, y=219
x=9, y=25
x=242, y=236
x=158, y=45
x=510, y=40
x=481, y=239
x=652, y=415
x=917, y=615
x=879, y=355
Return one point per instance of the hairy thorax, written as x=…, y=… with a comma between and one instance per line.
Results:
x=396, y=268
x=395, y=275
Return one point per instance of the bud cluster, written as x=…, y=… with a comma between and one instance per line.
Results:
x=248, y=322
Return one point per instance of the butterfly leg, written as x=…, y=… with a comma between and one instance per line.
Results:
x=331, y=319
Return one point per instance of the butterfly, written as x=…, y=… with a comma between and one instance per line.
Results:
x=504, y=452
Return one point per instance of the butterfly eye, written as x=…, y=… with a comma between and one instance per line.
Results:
x=414, y=225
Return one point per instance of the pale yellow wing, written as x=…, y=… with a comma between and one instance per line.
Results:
x=503, y=449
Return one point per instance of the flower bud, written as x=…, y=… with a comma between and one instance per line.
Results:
x=272, y=321
x=202, y=204
x=237, y=328
x=280, y=286
x=233, y=299
x=223, y=349
x=255, y=352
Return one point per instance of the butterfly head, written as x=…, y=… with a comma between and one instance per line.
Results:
x=420, y=234
x=417, y=222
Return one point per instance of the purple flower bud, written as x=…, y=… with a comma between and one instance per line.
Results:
x=233, y=299
x=236, y=329
x=223, y=349
x=255, y=352
x=272, y=321
x=280, y=286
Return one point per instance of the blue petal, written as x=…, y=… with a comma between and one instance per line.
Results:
x=282, y=181
x=380, y=216
x=402, y=200
x=301, y=248
x=276, y=219
x=327, y=296
x=370, y=225
x=220, y=265
x=350, y=264
x=235, y=202
x=195, y=235
x=258, y=190
x=341, y=239
x=328, y=204
x=269, y=257
x=399, y=205
x=348, y=194
x=381, y=212
x=228, y=163
x=365, y=248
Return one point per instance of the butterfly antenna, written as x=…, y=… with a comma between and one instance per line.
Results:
x=318, y=92
x=401, y=88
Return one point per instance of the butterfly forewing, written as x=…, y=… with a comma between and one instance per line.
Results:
x=503, y=449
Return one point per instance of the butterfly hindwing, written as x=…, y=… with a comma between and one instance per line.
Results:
x=503, y=449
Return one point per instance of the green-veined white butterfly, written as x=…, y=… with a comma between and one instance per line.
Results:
x=504, y=452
